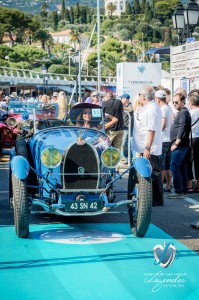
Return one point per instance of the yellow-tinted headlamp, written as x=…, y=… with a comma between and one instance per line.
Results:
x=51, y=157
x=111, y=157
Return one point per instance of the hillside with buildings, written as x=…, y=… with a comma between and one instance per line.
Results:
x=35, y=5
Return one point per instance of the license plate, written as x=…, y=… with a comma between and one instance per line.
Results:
x=83, y=205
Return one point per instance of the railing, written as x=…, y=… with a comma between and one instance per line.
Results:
x=29, y=74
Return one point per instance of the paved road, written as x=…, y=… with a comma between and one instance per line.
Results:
x=98, y=258
x=174, y=218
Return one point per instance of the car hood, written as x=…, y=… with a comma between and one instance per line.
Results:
x=63, y=137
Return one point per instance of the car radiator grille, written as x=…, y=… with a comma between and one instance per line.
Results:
x=80, y=159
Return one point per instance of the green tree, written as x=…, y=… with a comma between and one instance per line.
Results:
x=167, y=37
x=111, y=8
x=83, y=14
x=55, y=20
x=75, y=38
x=76, y=11
x=15, y=23
x=109, y=63
x=67, y=15
x=165, y=9
x=43, y=36
x=142, y=6
x=128, y=10
x=63, y=10
x=148, y=13
x=136, y=6
x=111, y=45
x=43, y=10
x=71, y=15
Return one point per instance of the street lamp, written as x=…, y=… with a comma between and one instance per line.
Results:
x=44, y=74
x=185, y=19
x=75, y=59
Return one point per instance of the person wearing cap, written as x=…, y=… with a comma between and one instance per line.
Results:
x=127, y=109
x=179, y=135
x=147, y=138
x=167, y=121
x=54, y=97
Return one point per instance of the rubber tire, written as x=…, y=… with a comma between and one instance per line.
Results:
x=21, y=148
x=140, y=225
x=21, y=211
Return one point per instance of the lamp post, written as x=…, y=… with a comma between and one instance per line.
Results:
x=46, y=77
x=75, y=59
x=69, y=57
x=185, y=19
x=44, y=74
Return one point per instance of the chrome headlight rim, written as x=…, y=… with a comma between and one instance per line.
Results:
x=51, y=157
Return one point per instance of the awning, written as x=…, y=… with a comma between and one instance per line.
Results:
x=67, y=89
x=152, y=51
x=90, y=88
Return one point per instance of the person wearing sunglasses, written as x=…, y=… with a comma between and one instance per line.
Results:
x=179, y=135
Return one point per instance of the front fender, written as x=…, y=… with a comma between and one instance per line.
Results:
x=20, y=167
x=142, y=166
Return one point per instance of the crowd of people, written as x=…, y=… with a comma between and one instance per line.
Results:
x=162, y=128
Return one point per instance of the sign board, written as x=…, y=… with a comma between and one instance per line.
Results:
x=185, y=60
x=132, y=76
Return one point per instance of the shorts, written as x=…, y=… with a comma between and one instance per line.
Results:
x=165, y=157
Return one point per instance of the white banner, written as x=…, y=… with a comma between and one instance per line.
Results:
x=132, y=76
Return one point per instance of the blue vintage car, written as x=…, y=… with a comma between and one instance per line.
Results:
x=68, y=168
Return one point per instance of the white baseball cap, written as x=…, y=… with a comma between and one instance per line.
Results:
x=160, y=94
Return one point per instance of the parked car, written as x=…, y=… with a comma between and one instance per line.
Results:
x=18, y=115
x=69, y=170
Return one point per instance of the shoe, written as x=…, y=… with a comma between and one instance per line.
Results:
x=190, y=191
x=166, y=190
x=176, y=195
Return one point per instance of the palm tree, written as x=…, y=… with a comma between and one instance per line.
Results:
x=111, y=8
x=75, y=38
x=109, y=63
x=44, y=37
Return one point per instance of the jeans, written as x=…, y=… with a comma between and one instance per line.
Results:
x=125, y=145
x=179, y=169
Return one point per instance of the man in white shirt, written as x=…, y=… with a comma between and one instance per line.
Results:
x=147, y=138
x=167, y=121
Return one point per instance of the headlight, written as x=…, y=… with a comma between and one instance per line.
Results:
x=111, y=157
x=11, y=122
x=51, y=157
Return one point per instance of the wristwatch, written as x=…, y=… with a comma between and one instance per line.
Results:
x=147, y=148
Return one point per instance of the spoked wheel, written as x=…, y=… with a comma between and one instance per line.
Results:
x=140, y=190
x=20, y=203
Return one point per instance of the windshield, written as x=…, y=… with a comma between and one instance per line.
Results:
x=88, y=117
x=18, y=107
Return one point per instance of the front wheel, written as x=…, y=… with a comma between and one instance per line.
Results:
x=20, y=203
x=140, y=209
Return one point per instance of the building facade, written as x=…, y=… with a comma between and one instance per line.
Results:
x=64, y=37
x=119, y=7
